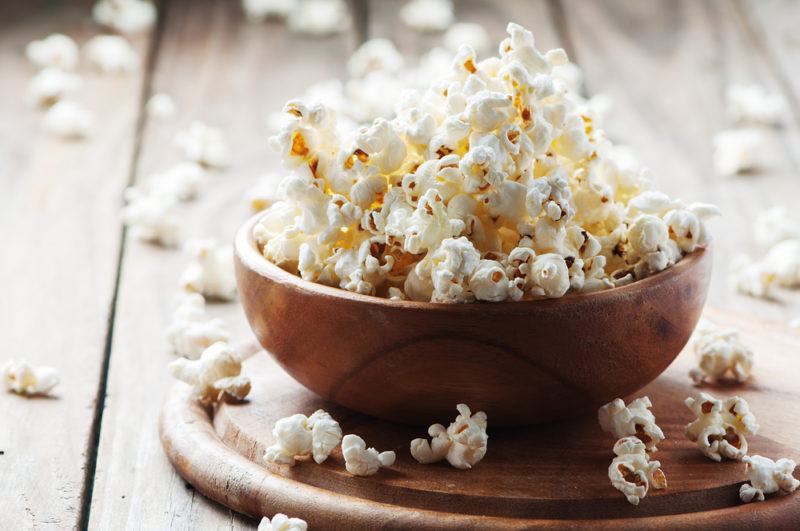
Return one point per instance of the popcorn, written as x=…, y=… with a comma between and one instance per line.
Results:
x=55, y=51
x=753, y=104
x=739, y=151
x=125, y=16
x=211, y=272
x=632, y=420
x=25, y=379
x=767, y=477
x=67, y=119
x=751, y=277
x=181, y=182
x=281, y=522
x=775, y=225
x=111, y=54
x=783, y=260
x=264, y=193
x=204, y=145
x=160, y=106
x=427, y=15
x=463, y=443
x=257, y=10
x=299, y=435
x=320, y=17
x=362, y=461
x=721, y=427
x=720, y=353
x=50, y=86
x=375, y=54
x=215, y=376
x=151, y=217
x=471, y=34
x=632, y=473
x=191, y=331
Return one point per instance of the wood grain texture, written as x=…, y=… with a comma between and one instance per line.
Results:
x=545, y=476
x=60, y=233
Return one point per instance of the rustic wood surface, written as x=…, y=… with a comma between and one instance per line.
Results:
x=78, y=461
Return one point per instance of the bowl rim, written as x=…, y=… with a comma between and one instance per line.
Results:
x=247, y=252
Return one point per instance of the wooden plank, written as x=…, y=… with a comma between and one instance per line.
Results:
x=229, y=74
x=59, y=224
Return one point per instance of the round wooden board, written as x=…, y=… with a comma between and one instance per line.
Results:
x=551, y=475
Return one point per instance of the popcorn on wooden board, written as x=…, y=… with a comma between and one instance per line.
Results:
x=54, y=51
x=51, y=85
x=752, y=103
x=463, y=443
x=635, y=419
x=24, y=379
x=362, y=461
x=111, y=54
x=68, y=120
x=125, y=16
x=215, y=376
x=722, y=426
x=720, y=355
x=151, y=217
x=766, y=476
x=161, y=106
x=203, y=144
x=320, y=17
x=632, y=473
x=191, y=330
x=258, y=10
x=299, y=435
x=281, y=522
x=428, y=15
x=211, y=271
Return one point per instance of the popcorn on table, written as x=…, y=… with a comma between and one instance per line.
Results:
x=362, y=461
x=491, y=185
x=635, y=419
x=69, y=120
x=191, y=331
x=28, y=380
x=215, y=376
x=739, y=151
x=265, y=192
x=281, y=522
x=151, y=217
x=257, y=10
x=632, y=473
x=463, y=443
x=753, y=104
x=775, y=225
x=751, y=277
x=766, y=476
x=299, y=435
x=181, y=182
x=783, y=260
x=160, y=106
x=54, y=51
x=720, y=354
x=468, y=33
x=111, y=54
x=203, y=144
x=125, y=16
x=721, y=427
x=375, y=54
x=428, y=15
x=320, y=17
x=51, y=85
x=211, y=272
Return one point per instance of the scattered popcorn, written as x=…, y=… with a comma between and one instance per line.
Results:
x=160, y=106
x=753, y=104
x=632, y=473
x=181, y=182
x=463, y=443
x=56, y=51
x=767, y=477
x=362, y=461
x=721, y=426
x=320, y=17
x=375, y=54
x=428, y=15
x=752, y=278
x=467, y=33
x=720, y=354
x=151, y=217
x=211, y=272
x=634, y=420
x=111, y=54
x=281, y=522
x=67, y=119
x=775, y=225
x=203, y=144
x=191, y=331
x=299, y=435
x=257, y=10
x=783, y=260
x=739, y=151
x=263, y=193
x=125, y=16
x=214, y=377
x=25, y=379
x=51, y=85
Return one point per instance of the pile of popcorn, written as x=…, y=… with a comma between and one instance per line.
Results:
x=494, y=184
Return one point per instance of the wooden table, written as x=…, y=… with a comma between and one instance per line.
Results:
x=82, y=296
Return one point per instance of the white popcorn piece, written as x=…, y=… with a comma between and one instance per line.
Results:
x=281, y=522
x=752, y=278
x=463, y=443
x=428, y=15
x=766, y=476
x=28, y=380
x=632, y=473
x=739, y=150
x=125, y=16
x=374, y=55
x=775, y=225
x=151, y=217
x=299, y=435
x=362, y=461
x=264, y=193
x=753, y=104
x=320, y=18
x=191, y=331
x=54, y=51
x=51, y=85
x=214, y=376
x=204, y=145
x=635, y=419
x=258, y=10
x=111, y=54
x=180, y=182
x=721, y=427
x=68, y=120
x=720, y=354
x=467, y=33
x=160, y=106
x=783, y=260
x=211, y=271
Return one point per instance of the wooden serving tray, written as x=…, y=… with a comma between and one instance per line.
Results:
x=551, y=475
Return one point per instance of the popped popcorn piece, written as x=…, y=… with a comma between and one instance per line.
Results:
x=721, y=427
x=362, y=461
x=753, y=104
x=180, y=182
x=151, y=218
x=56, y=51
x=25, y=379
x=320, y=17
x=51, y=85
x=428, y=15
x=281, y=522
x=214, y=376
x=160, y=106
x=767, y=477
x=635, y=419
x=111, y=54
x=463, y=443
x=299, y=435
x=720, y=354
x=739, y=151
x=468, y=33
x=373, y=55
x=257, y=10
x=264, y=193
x=211, y=271
x=125, y=16
x=69, y=120
x=191, y=330
x=632, y=473
x=775, y=225
x=204, y=145
x=783, y=260
x=751, y=277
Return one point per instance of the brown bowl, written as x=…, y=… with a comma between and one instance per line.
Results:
x=521, y=362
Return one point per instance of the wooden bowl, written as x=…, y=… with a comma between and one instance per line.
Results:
x=521, y=362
